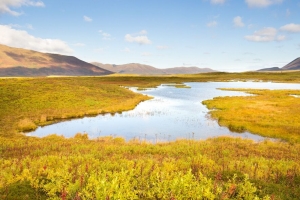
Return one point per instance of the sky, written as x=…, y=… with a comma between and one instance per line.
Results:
x=224, y=35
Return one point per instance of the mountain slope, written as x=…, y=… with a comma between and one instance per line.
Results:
x=294, y=65
x=22, y=62
x=136, y=68
x=187, y=70
x=131, y=68
x=270, y=69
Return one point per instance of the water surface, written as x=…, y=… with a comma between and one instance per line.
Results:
x=173, y=113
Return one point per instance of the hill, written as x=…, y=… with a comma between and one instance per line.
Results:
x=187, y=70
x=270, y=69
x=294, y=65
x=136, y=68
x=131, y=68
x=22, y=62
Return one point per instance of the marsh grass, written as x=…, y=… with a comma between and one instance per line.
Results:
x=109, y=167
x=178, y=85
x=270, y=113
x=28, y=103
x=26, y=125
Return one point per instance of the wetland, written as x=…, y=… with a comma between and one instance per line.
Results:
x=173, y=113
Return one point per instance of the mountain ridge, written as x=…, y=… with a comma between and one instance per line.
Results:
x=293, y=65
x=23, y=62
x=137, y=68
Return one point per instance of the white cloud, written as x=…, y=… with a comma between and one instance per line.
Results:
x=294, y=28
x=6, y=5
x=217, y=1
x=262, y=3
x=87, y=19
x=267, y=34
x=21, y=39
x=105, y=36
x=139, y=38
x=212, y=24
x=162, y=47
x=238, y=22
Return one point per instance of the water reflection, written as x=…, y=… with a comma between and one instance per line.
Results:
x=173, y=113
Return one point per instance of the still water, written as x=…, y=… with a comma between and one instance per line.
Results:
x=173, y=113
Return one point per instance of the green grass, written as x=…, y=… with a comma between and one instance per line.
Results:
x=270, y=113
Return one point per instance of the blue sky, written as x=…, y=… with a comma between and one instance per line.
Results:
x=225, y=35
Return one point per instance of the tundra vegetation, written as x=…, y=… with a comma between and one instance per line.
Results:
x=270, y=113
x=55, y=167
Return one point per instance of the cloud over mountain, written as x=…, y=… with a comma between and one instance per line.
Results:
x=22, y=39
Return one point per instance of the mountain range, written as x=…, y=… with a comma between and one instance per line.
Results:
x=22, y=62
x=294, y=65
x=136, y=68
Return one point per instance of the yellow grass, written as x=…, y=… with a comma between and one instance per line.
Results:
x=270, y=113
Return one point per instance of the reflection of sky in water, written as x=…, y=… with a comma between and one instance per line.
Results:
x=173, y=113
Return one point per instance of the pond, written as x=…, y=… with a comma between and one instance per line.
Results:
x=173, y=113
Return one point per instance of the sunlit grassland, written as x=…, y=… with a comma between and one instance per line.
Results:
x=270, y=113
x=26, y=103
x=109, y=168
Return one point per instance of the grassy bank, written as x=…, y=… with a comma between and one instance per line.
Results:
x=109, y=168
x=270, y=113
x=27, y=103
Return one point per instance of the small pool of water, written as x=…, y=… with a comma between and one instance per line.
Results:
x=172, y=114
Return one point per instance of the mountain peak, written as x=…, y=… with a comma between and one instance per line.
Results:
x=294, y=65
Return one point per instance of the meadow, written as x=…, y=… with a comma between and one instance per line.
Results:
x=55, y=167
x=270, y=113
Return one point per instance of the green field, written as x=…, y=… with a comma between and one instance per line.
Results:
x=110, y=168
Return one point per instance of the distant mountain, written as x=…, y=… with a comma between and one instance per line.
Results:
x=131, y=68
x=136, y=68
x=294, y=65
x=22, y=62
x=187, y=70
x=270, y=69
